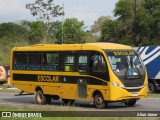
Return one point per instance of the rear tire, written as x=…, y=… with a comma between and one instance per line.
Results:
x=130, y=102
x=41, y=98
x=99, y=101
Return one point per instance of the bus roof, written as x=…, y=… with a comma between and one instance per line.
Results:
x=107, y=46
x=85, y=46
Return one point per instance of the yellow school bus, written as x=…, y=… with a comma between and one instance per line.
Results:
x=96, y=72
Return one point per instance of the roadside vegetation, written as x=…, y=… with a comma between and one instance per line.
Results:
x=154, y=95
x=135, y=24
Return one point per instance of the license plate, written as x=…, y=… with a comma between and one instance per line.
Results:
x=134, y=94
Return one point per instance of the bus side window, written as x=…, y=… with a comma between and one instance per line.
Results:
x=69, y=64
x=102, y=67
x=55, y=61
x=97, y=63
x=82, y=63
x=35, y=61
x=50, y=61
x=19, y=61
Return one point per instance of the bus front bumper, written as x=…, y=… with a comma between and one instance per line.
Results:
x=118, y=93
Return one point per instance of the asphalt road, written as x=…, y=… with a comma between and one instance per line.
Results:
x=147, y=104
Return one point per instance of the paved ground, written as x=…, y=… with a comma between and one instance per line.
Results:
x=148, y=104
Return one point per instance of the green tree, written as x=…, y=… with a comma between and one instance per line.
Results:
x=73, y=31
x=12, y=30
x=112, y=32
x=90, y=37
x=108, y=31
x=120, y=30
x=137, y=23
x=96, y=27
x=153, y=9
x=142, y=27
x=46, y=11
x=35, y=32
x=124, y=10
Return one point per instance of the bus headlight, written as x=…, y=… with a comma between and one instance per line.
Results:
x=117, y=85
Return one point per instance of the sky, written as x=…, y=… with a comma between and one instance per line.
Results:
x=84, y=10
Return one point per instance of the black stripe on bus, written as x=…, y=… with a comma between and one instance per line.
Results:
x=57, y=79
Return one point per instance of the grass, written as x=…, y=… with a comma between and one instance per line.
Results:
x=4, y=88
x=84, y=118
x=42, y=108
x=154, y=95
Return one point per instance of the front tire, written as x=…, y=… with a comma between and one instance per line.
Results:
x=130, y=102
x=99, y=101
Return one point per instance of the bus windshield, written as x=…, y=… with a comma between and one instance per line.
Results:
x=125, y=63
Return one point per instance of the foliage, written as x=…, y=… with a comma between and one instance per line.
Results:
x=35, y=31
x=137, y=23
x=90, y=37
x=72, y=31
x=96, y=27
x=13, y=30
x=6, y=44
x=124, y=10
x=45, y=10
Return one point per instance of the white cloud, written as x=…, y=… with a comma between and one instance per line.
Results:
x=88, y=11
x=12, y=10
x=11, y=7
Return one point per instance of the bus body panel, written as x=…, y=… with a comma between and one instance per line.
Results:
x=67, y=84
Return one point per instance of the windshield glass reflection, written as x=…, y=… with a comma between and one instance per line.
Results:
x=126, y=63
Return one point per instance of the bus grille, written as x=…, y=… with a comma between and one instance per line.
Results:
x=133, y=82
x=133, y=90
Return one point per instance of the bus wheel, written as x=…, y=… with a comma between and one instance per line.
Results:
x=40, y=98
x=151, y=88
x=99, y=101
x=68, y=102
x=130, y=102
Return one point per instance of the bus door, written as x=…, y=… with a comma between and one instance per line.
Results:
x=82, y=88
x=82, y=81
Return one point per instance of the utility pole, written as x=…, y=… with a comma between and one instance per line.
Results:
x=134, y=21
x=135, y=9
x=62, y=24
